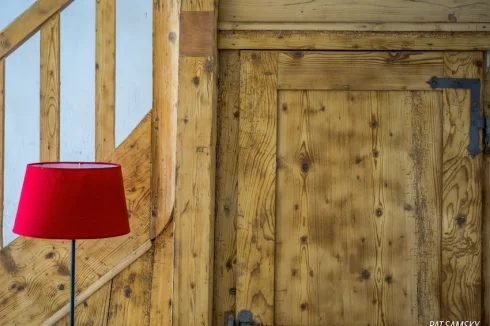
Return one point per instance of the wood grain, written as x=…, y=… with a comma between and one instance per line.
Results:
x=195, y=190
x=366, y=11
x=197, y=29
x=105, y=77
x=162, y=283
x=358, y=70
x=462, y=198
x=2, y=142
x=340, y=260
x=130, y=293
x=88, y=313
x=358, y=41
x=257, y=185
x=226, y=186
x=339, y=26
x=28, y=23
x=31, y=270
x=486, y=206
x=164, y=112
x=199, y=5
x=50, y=90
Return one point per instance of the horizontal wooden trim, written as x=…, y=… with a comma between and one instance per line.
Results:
x=28, y=23
x=335, y=40
x=98, y=284
x=381, y=27
x=358, y=70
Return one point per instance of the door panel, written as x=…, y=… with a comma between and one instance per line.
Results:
x=357, y=201
x=349, y=212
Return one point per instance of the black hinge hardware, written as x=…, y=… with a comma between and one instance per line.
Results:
x=477, y=122
x=245, y=318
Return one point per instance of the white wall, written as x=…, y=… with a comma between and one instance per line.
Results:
x=77, y=77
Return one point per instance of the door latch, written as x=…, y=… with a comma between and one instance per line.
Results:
x=245, y=318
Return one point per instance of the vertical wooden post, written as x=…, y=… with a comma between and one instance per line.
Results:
x=105, y=75
x=486, y=204
x=2, y=142
x=164, y=111
x=50, y=90
x=196, y=151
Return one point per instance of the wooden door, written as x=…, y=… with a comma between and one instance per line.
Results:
x=345, y=191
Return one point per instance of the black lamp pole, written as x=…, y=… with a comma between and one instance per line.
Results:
x=72, y=285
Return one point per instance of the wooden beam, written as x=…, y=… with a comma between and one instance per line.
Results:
x=35, y=273
x=2, y=143
x=50, y=90
x=196, y=27
x=365, y=27
x=105, y=75
x=369, y=11
x=195, y=179
x=162, y=283
x=164, y=112
x=28, y=23
x=486, y=204
x=461, y=286
x=226, y=185
x=257, y=185
x=335, y=40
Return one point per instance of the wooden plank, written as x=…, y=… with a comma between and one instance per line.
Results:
x=130, y=293
x=358, y=70
x=324, y=40
x=257, y=185
x=196, y=27
x=349, y=261
x=162, y=283
x=164, y=112
x=97, y=285
x=199, y=5
x=88, y=313
x=50, y=90
x=378, y=27
x=226, y=186
x=105, y=77
x=462, y=198
x=31, y=269
x=194, y=209
x=28, y=23
x=2, y=142
x=369, y=11
x=486, y=203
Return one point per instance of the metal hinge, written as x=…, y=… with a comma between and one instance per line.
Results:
x=245, y=318
x=477, y=122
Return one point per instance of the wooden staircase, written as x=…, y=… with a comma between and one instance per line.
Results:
x=119, y=280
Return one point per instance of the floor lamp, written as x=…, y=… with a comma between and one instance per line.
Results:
x=72, y=200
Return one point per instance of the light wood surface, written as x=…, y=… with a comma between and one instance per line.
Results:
x=194, y=209
x=28, y=23
x=462, y=198
x=257, y=185
x=349, y=41
x=131, y=293
x=486, y=203
x=226, y=186
x=164, y=112
x=366, y=11
x=105, y=77
x=50, y=90
x=341, y=26
x=358, y=70
x=162, y=283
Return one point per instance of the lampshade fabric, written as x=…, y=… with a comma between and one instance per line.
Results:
x=71, y=200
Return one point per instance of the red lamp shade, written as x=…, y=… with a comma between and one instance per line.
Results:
x=69, y=200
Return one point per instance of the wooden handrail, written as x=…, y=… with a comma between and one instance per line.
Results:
x=28, y=23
